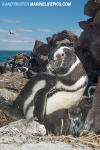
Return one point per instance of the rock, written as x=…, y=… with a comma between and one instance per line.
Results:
x=90, y=34
x=48, y=39
x=65, y=34
x=91, y=7
x=40, y=48
x=95, y=49
x=87, y=46
x=2, y=67
x=12, y=81
x=37, y=44
x=64, y=37
x=22, y=131
x=7, y=94
x=34, y=145
x=97, y=16
x=38, y=59
x=96, y=108
x=92, y=121
x=84, y=24
x=17, y=62
x=90, y=65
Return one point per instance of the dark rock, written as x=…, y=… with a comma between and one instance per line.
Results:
x=18, y=62
x=37, y=44
x=90, y=34
x=39, y=55
x=84, y=24
x=2, y=67
x=97, y=16
x=48, y=39
x=95, y=49
x=87, y=48
x=91, y=8
x=66, y=37
x=96, y=108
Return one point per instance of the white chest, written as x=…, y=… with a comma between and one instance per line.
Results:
x=63, y=100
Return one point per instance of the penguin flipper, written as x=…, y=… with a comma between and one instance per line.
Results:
x=40, y=105
x=7, y=107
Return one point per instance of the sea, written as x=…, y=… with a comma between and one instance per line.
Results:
x=4, y=55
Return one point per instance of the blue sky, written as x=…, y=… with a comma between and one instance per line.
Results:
x=31, y=23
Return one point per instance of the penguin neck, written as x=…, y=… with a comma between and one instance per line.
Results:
x=74, y=76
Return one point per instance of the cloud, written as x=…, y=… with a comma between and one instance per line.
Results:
x=23, y=30
x=3, y=31
x=12, y=43
x=21, y=40
x=11, y=21
x=44, y=30
x=77, y=31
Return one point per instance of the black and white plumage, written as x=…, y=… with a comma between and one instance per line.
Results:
x=46, y=94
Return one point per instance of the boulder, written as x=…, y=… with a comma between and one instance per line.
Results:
x=2, y=67
x=21, y=131
x=87, y=47
x=96, y=109
x=40, y=48
x=37, y=44
x=7, y=94
x=91, y=7
x=18, y=62
x=64, y=37
x=97, y=16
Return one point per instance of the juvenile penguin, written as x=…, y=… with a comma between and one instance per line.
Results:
x=47, y=94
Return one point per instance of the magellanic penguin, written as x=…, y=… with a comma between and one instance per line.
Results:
x=60, y=88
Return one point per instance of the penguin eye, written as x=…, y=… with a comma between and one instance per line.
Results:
x=62, y=54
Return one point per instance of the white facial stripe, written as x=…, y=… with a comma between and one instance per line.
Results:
x=60, y=50
x=75, y=86
x=72, y=67
x=29, y=113
x=40, y=84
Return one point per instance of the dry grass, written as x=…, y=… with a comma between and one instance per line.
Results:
x=4, y=119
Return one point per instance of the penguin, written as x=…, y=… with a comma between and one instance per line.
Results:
x=51, y=92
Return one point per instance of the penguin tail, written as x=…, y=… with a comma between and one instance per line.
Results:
x=8, y=108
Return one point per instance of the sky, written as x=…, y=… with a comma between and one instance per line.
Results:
x=30, y=23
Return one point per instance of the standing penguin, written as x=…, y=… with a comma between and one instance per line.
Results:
x=55, y=91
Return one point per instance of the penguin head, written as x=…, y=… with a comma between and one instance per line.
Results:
x=60, y=60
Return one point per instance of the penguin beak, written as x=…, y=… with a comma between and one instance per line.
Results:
x=59, y=56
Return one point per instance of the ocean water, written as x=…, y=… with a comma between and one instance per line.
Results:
x=4, y=55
